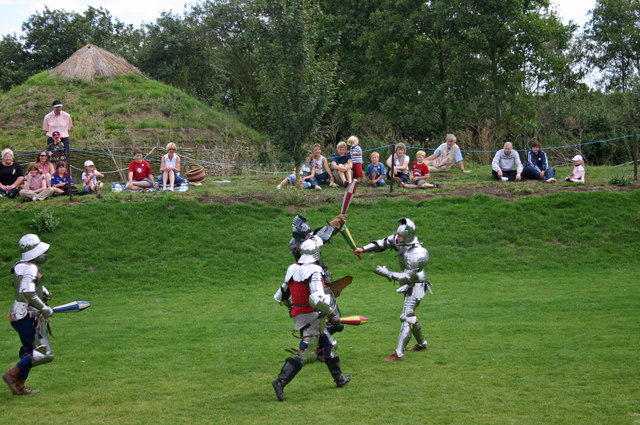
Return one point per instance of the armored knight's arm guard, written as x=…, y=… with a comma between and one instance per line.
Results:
x=318, y=299
x=282, y=295
x=414, y=262
x=29, y=293
x=379, y=245
x=405, y=277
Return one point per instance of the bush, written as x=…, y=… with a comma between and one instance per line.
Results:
x=620, y=181
x=44, y=221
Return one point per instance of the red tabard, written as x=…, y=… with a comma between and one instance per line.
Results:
x=299, y=297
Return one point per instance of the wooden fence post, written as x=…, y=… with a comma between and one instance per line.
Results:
x=635, y=156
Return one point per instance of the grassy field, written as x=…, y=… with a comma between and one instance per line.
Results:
x=534, y=318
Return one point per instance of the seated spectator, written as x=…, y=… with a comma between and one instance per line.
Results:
x=45, y=166
x=401, y=166
x=61, y=182
x=307, y=177
x=504, y=161
x=375, y=171
x=170, y=168
x=90, y=182
x=578, y=174
x=56, y=148
x=537, y=165
x=446, y=155
x=322, y=167
x=419, y=174
x=35, y=185
x=341, y=165
x=11, y=176
x=140, y=175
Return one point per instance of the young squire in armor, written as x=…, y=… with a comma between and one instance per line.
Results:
x=413, y=258
x=29, y=313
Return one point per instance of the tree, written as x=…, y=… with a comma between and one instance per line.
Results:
x=295, y=80
x=614, y=33
x=13, y=63
x=54, y=35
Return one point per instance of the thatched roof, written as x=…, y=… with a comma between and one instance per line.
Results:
x=92, y=61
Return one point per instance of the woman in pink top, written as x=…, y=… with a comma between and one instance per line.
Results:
x=45, y=166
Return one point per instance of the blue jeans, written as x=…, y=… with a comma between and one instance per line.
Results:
x=307, y=184
x=402, y=176
x=322, y=178
x=531, y=173
x=178, y=180
x=26, y=329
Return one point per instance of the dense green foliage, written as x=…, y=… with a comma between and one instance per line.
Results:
x=534, y=317
x=487, y=71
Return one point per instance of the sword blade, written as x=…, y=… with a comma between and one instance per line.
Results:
x=348, y=194
x=72, y=307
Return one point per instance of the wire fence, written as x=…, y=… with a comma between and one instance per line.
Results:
x=113, y=162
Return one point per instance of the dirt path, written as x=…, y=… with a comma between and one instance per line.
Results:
x=331, y=196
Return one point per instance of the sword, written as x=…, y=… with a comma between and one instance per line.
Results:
x=348, y=196
x=72, y=307
x=353, y=320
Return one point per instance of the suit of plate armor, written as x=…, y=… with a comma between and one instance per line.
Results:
x=413, y=258
x=310, y=304
x=29, y=313
x=301, y=231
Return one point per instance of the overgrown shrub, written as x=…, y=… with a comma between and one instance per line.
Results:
x=44, y=221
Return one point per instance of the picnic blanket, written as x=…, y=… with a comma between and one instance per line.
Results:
x=122, y=187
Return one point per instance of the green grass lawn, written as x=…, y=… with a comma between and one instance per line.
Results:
x=534, y=317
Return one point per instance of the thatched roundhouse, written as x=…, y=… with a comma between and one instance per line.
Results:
x=92, y=61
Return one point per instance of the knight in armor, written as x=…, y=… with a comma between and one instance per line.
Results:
x=413, y=259
x=311, y=307
x=30, y=313
x=301, y=231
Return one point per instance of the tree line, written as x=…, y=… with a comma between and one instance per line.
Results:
x=303, y=70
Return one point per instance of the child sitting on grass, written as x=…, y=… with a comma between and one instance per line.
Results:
x=89, y=178
x=307, y=176
x=419, y=174
x=60, y=181
x=375, y=171
x=35, y=185
x=577, y=176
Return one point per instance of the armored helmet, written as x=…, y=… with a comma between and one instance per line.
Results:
x=32, y=247
x=407, y=230
x=310, y=250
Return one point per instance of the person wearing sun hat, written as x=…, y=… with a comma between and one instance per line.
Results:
x=578, y=173
x=29, y=313
x=57, y=121
x=90, y=176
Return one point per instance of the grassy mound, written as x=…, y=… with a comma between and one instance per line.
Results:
x=123, y=111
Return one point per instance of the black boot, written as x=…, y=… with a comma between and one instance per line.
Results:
x=334, y=368
x=288, y=372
